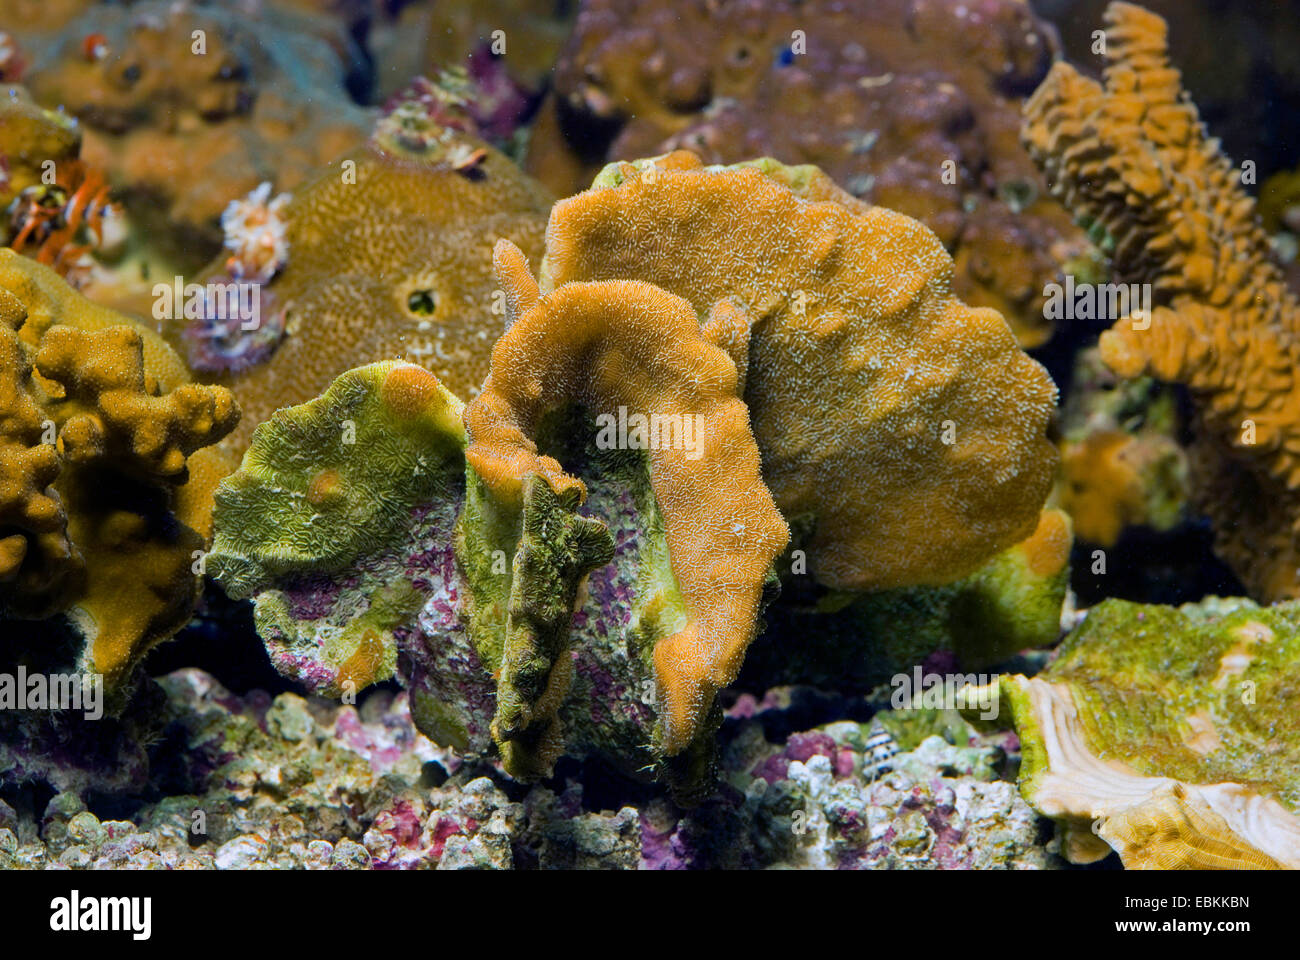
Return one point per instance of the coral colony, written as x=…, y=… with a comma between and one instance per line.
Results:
x=623, y=435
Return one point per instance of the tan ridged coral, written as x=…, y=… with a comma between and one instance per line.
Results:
x=99, y=427
x=1153, y=822
x=906, y=426
x=627, y=344
x=390, y=256
x=1132, y=160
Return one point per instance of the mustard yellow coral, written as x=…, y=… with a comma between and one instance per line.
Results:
x=627, y=344
x=1133, y=160
x=97, y=433
x=390, y=256
x=906, y=426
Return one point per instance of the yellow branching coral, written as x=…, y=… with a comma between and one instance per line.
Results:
x=98, y=429
x=908, y=427
x=1133, y=161
x=627, y=344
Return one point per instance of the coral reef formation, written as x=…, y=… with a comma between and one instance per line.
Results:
x=347, y=520
x=1169, y=735
x=255, y=782
x=106, y=491
x=1133, y=161
x=911, y=106
x=389, y=254
x=189, y=107
x=904, y=431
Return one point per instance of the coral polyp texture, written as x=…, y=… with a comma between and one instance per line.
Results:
x=388, y=254
x=1168, y=735
x=1132, y=159
x=374, y=549
x=617, y=346
x=912, y=106
x=904, y=429
x=104, y=517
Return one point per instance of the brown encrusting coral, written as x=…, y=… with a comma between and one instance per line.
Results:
x=103, y=520
x=901, y=430
x=189, y=107
x=1133, y=161
x=910, y=105
x=389, y=255
x=624, y=345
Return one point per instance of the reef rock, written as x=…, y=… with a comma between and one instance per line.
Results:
x=1169, y=735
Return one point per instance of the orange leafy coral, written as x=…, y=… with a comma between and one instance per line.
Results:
x=906, y=427
x=629, y=344
x=1133, y=160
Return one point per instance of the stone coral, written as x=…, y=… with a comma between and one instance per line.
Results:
x=918, y=448
x=910, y=106
x=342, y=455
x=386, y=555
x=1121, y=463
x=389, y=255
x=103, y=517
x=1169, y=735
x=1132, y=160
x=625, y=345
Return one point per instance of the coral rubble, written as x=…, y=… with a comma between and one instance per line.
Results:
x=253, y=782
